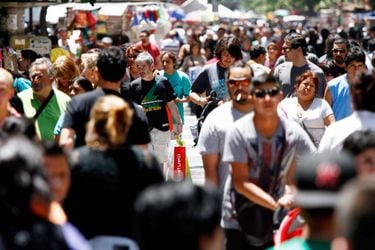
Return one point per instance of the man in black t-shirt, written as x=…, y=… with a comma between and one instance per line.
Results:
x=212, y=78
x=111, y=66
x=155, y=94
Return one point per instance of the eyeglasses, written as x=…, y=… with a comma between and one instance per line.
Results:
x=342, y=51
x=132, y=56
x=261, y=93
x=244, y=82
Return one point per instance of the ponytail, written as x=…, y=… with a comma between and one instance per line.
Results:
x=110, y=120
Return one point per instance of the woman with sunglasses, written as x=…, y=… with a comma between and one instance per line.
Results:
x=312, y=113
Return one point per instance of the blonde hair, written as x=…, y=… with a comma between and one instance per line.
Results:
x=65, y=67
x=88, y=61
x=7, y=76
x=109, y=123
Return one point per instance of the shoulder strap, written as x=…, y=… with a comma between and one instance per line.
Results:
x=307, y=132
x=213, y=74
x=192, y=60
x=44, y=104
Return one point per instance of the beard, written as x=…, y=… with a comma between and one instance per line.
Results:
x=339, y=60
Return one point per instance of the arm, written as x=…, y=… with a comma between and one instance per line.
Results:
x=199, y=100
x=176, y=115
x=248, y=189
x=328, y=120
x=211, y=165
x=290, y=189
x=328, y=96
x=185, y=65
x=183, y=99
x=67, y=138
x=186, y=86
x=199, y=89
x=182, y=52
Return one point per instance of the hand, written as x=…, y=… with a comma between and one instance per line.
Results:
x=178, y=100
x=203, y=100
x=286, y=201
x=179, y=128
x=155, y=73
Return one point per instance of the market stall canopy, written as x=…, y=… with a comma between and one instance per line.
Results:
x=112, y=9
x=104, y=8
x=281, y=13
x=294, y=18
x=202, y=5
x=223, y=12
x=193, y=5
x=57, y=11
x=200, y=16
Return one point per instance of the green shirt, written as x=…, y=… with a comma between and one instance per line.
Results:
x=303, y=244
x=47, y=120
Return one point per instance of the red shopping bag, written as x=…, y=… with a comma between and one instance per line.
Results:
x=179, y=162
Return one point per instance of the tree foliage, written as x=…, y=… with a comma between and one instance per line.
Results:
x=302, y=6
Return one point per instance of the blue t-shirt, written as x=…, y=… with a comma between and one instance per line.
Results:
x=181, y=85
x=20, y=84
x=339, y=88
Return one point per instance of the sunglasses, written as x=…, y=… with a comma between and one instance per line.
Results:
x=287, y=49
x=244, y=82
x=132, y=56
x=261, y=93
x=339, y=51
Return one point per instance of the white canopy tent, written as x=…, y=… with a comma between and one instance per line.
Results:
x=194, y=5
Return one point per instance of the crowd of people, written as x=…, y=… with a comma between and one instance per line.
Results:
x=285, y=122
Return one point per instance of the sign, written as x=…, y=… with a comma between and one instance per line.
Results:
x=40, y=44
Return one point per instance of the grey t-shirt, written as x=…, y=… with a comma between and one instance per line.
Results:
x=243, y=144
x=212, y=135
x=286, y=75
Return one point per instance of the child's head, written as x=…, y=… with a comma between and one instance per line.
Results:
x=80, y=85
x=362, y=145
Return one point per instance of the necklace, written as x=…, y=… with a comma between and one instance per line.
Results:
x=299, y=111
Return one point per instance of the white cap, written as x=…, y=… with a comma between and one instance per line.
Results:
x=107, y=39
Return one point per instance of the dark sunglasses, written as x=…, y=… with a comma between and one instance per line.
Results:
x=132, y=56
x=339, y=51
x=287, y=49
x=244, y=82
x=261, y=93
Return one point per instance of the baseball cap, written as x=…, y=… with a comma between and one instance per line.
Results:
x=320, y=176
x=106, y=39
